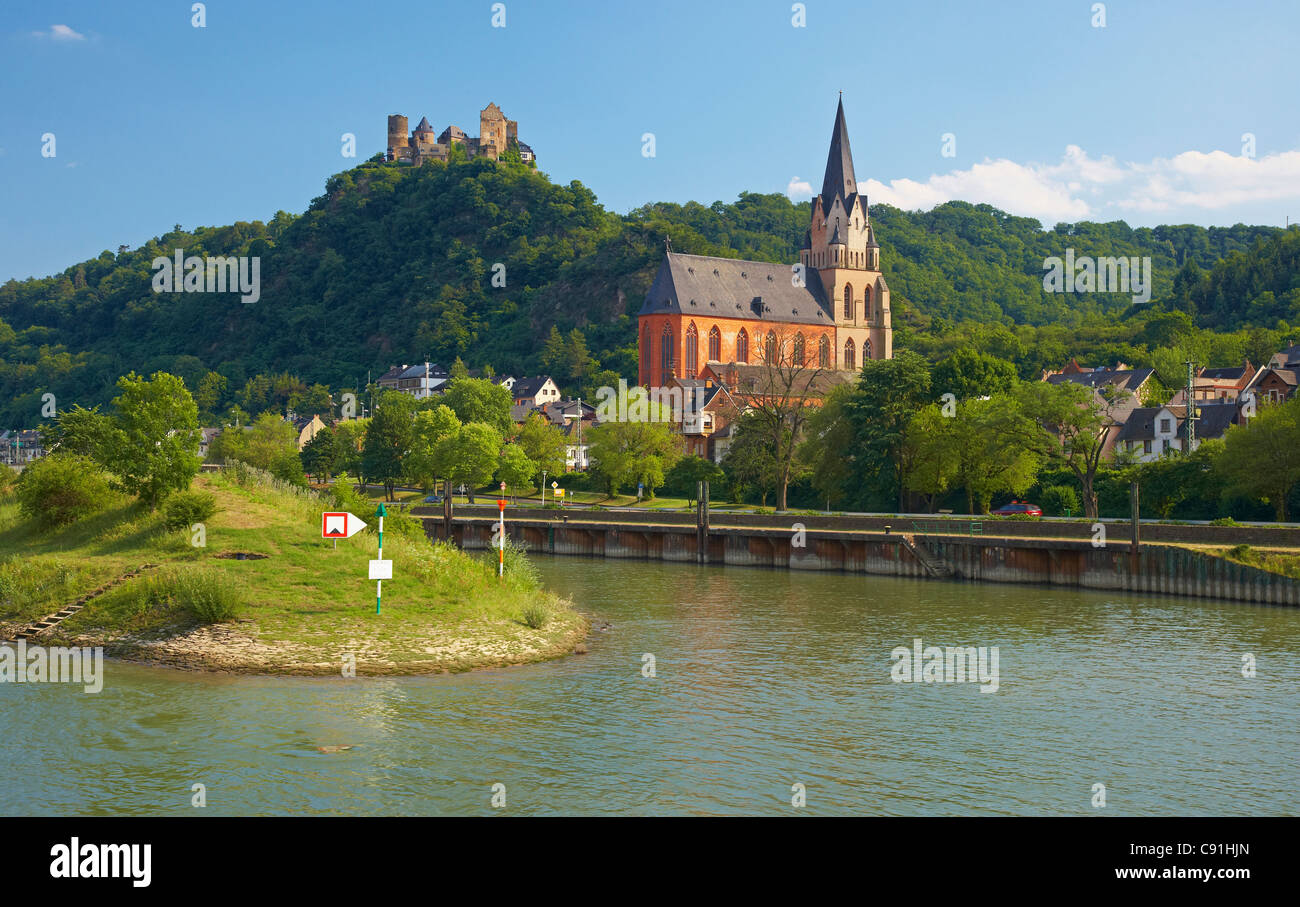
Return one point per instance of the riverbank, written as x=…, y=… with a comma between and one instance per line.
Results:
x=939, y=550
x=301, y=607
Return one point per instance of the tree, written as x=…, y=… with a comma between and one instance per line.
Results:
x=514, y=468
x=553, y=356
x=750, y=461
x=968, y=373
x=889, y=392
x=469, y=456
x=784, y=396
x=458, y=369
x=827, y=436
x=935, y=461
x=153, y=445
x=625, y=453
x=319, y=454
x=78, y=431
x=269, y=440
x=543, y=444
x=1071, y=425
x=989, y=455
x=1262, y=458
x=61, y=488
x=431, y=426
x=349, y=440
x=388, y=440
x=690, y=470
x=212, y=388
x=480, y=400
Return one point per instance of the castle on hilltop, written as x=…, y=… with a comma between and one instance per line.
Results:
x=496, y=136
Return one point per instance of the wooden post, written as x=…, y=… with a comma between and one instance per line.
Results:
x=1133, y=553
x=446, y=509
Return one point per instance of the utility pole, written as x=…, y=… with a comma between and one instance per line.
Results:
x=1191, y=406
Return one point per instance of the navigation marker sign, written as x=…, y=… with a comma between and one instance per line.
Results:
x=340, y=525
x=380, y=569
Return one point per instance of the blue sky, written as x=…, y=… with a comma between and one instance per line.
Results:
x=157, y=122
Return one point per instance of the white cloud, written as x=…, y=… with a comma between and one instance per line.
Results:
x=1080, y=187
x=799, y=190
x=60, y=33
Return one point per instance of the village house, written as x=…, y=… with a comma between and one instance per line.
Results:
x=307, y=428
x=704, y=408
x=1152, y=432
x=420, y=381
x=534, y=392
x=19, y=447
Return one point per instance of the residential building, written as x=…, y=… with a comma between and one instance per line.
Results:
x=419, y=381
x=535, y=392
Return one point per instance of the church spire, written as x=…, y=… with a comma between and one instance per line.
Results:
x=839, y=178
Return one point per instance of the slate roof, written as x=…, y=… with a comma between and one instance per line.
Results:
x=1129, y=380
x=1212, y=420
x=528, y=387
x=840, y=179
x=706, y=286
x=1141, y=424
x=1224, y=374
x=424, y=125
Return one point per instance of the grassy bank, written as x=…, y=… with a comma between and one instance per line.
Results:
x=301, y=608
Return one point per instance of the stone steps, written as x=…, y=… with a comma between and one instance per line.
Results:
x=53, y=620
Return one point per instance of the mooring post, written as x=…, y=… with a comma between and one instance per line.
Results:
x=446, y=509
x=704, y=520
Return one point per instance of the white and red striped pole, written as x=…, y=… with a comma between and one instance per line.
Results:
x=501, y=561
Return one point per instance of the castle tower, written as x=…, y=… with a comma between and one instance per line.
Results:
x=492, y=131
x=397, y=136
x=841, y=247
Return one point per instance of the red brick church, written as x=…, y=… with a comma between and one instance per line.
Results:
x=829, y=311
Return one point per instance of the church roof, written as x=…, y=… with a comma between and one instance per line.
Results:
x=839, y=179
x=705, y=286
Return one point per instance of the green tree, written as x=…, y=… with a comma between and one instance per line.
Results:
x=469, y=456
x=750, y=462
x=388, y=440
x=61, y=488
x=349, y=442
x=153, y=445
x=431, y=426
x=480, y=400
x=1262, y=458
x=689, y=471
x=319, y=454
x=543, y=444
x=625, y=453
x=514, y=468
x=890, y=391
x=968, y=373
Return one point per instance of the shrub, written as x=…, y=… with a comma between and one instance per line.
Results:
x=61, y=489
x=520, y=571
x=1057, y=499
x=535, y=615
x=8, y=478
x=209, y=595
x=185, y=508
x=1224, y=521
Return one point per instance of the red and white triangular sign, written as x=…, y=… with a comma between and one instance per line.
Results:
x=340, y=525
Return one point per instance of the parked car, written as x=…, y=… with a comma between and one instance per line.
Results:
x=1023, y=508
x=433, y=499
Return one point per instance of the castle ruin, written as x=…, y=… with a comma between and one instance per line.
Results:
x=496, y=136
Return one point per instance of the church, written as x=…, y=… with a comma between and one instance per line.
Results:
x=830, y=311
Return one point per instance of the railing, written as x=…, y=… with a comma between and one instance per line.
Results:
x=949, y=527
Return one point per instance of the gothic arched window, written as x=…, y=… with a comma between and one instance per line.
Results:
x=866, y=303
x=798, y=349
x=824, y=352
x=866, y=350
x=691, y=359
x=742, y=346
x=645, y=352
x=666, y=354
x=715, y=344
x=850, y=361
x=769, y=348
x=848, y=302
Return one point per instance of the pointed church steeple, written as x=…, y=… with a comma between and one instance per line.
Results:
x=839, y=178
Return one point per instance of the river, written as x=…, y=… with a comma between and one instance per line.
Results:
x=768, y=685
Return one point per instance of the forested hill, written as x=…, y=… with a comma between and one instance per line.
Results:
x=397, y=264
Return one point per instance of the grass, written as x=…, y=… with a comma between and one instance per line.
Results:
x=299, y=610
x=1287, y=564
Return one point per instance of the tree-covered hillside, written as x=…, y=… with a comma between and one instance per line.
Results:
x=480, y=259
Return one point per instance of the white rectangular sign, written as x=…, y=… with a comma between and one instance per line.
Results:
x=381, y=569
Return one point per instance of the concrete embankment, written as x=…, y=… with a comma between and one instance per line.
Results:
x=907, y=549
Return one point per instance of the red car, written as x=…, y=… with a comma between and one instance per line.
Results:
x=1018, y=507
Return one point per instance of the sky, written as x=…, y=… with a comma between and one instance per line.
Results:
x=1169, y=112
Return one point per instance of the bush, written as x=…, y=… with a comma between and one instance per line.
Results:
x=185, y=508
x=8, y=478
x=207, y=594
x=535, y=615
x=1057, y=499
x=61, y=489
x=520, y=571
